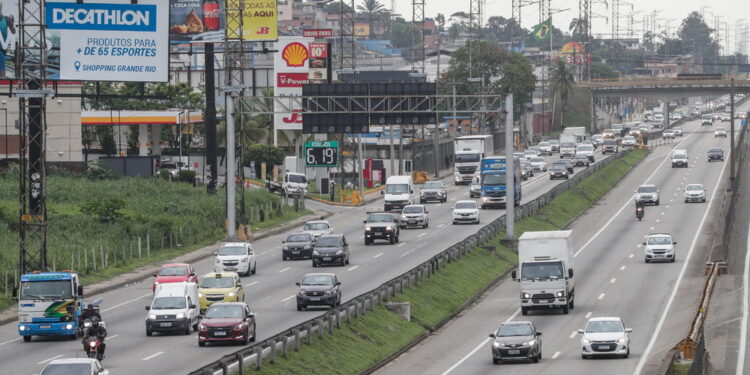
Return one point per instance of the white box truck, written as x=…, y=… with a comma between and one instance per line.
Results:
x=545, y=270
x=577, y=131
x=469, y=151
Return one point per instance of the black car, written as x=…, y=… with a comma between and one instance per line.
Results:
x=558, y=171
x=581, y=161
x=516, y=341
x=381, y=226
x=318, y=289
x=297, y=246
x=715, y=153
x=331, y=249
x=567, y=163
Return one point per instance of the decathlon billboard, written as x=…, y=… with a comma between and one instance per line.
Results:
x=111, y=40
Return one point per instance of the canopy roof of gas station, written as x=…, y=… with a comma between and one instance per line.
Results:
x=170, y=117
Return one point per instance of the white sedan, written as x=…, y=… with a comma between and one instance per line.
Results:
x=628, y=140
x=83, y=366
x=720, y=132
x=605, y=337
x=538, y=164
x=465, y=212
x=695, y=193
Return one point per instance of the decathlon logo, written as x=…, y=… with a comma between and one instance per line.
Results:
x=114, y=17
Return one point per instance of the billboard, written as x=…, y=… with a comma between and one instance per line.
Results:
x=291, y=70
x=260, y=21
x=109, y=40
x=319, y=63
x=574, y=53
x=196, y=21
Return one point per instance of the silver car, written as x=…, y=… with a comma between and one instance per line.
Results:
x=695, y=193
x=605, y=337
x=433, y=191
x=415, y=215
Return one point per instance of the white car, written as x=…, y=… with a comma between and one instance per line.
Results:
x=598, y=139
x=695, y=193
x=659, y=247
x=475, y=189
x=648, y=194
x=725, y=117
x=677, y=131
x=415, y=215
x=465, y=212
x=720, y=132
x=628, y=140
x=528, y=154
x=605, y=337
x=545, y=148
x=317, y=228
x=236, y=257
x=668, y=134
x=538, y=164
x=82, y=366
x=587, y=150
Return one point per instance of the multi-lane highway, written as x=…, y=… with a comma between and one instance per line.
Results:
x=656, y=300
x=270, y=293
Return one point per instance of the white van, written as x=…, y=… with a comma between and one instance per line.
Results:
x=679, y=158
x=175, y=308
x=399, y=192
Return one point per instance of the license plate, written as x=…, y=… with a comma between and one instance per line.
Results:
x=46, y=326
x=514, y=351
x=314, y=298
x=295, y=252
x=165, y=324
x=220, y=333
x=543, y=301
x=230, y=268
x=412, y=221
x=658, y=256
x=603, y=347
x=326, y=259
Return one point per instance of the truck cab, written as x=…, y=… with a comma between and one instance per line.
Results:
x=493, y=184
x=468, y=153
x=399, y=192
x=49, y=304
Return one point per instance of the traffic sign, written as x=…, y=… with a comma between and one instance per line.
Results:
x=322, y=154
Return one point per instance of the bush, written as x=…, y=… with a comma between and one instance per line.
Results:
x=186, y=176
x=106, y=209
x=165, y=174
x=96, y=171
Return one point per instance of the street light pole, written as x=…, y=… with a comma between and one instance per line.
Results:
x=732, y=147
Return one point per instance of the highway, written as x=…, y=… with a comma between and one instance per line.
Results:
x=270, y=293
x=612, y=279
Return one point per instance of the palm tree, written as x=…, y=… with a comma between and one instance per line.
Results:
x=372, y=8
x=561, y=84
x=578, y=26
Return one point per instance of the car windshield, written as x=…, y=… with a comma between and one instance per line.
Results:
x=317, y=280
x=58, y=289
x=397, y=188
x=315, y=226
x=604, y=326
x=707, y=117
x=432, y=185
x=529, y=153
x=466, y=205
x=695, y=187
x=558, y=167
x=537, y=160
x=217, y=282
x=302, y=237
x=679, y=156
x=173, y=271
x=586, y=148
x=67, y=369
x=232, y=250
x=582, y=157
x=507, y=330
x=554, y=142
x=493, y=179
x=628, y=138
x=543, y=144
x=297, y=178
x=467, y=158
x=721, y=129
x=660, y=240
x=715, y=150
x=610, y=143
x=380, y=218
x=542, y=271
x=168, y=303
x=647, y=189
x=567, y=145
x=168, y=166
x=413, y=210
x=225, y=311
x=328, y=242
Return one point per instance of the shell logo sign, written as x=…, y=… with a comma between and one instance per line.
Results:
x=295, y=54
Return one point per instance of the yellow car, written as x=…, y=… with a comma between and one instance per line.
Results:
x=220, y=287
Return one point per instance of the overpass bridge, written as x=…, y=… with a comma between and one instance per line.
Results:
x=669, y=88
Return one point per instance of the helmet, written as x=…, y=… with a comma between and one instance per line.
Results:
x=90, y=306
x=95, y=322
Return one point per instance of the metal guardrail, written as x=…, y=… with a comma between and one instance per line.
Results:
x=360, y=305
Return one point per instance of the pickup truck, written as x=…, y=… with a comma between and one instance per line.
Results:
x=293, y=184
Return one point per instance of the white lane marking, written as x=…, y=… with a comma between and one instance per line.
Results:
x=622, y=268
x=125, y=303
x=352, y=268
x=111, y=337
x=588, y=315
x=10, y=341
x=401, y=244
x=152, y=356
x=667, y=206
x=480, y=346
x=652, y=228
x=557, y=354
x=662, y=213
x=612, y=281
x=743, y=325
x=361, y=237
x=421, y=235
x=287, y=298
x=639, y=246
x=49, y=359
x=252, y=283
x=676, y=286
x=284, y=270
x=441, y=225
x=671, y=199
x=573, y=334
x=377, y=255
x=631, y=256
x=601, y=296
x=658, y=220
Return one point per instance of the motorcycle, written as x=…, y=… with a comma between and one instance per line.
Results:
x=84, y=324
x=639, y=212
x=93, y=350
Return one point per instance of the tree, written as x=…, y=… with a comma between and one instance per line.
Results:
x=460, y=18
x=696, y=38
x=602, y=71
x=400, y=34
x=561, y=85
x=454, y=32
x=579, y=28
x=335, y=7
x=440, y=19
x=373, y=9
x=262, y=153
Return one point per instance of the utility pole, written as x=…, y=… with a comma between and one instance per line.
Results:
x=510, y=202
x=732, y=146
x=435, y=133
x=211, y=141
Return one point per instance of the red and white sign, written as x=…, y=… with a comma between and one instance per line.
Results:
x=291, y=67
x=318, y=50
x=318, y=62
x=317, y=33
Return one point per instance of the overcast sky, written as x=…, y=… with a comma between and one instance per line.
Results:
x=673, y=10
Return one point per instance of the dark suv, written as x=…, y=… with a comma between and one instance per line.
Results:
x=318, y=289
x=715, y=153
x=330, y=249
x=516, y=341
x=383, y=226
x=297, y=246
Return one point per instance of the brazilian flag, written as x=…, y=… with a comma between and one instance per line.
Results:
x=543, y=30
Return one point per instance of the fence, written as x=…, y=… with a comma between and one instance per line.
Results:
x=360, y=305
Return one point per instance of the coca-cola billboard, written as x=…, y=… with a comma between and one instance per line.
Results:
x=196, y=21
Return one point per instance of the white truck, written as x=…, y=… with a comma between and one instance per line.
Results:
x=468, y=153
x=567, y=146
x=578, y=132
x=545, y=271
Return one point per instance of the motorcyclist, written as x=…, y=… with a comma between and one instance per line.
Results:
x=96, y=330
x=90, y=313
x=639, y=206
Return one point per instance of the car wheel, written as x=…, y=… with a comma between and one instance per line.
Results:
x=201, y=343
x=392, y=240
x=187, y=330
x=252, y=339
x=425, y=225
x=627, y=354
x=703, y=200
x=584, y=356
x=421, y=201
x=572, y=304
x=495, y=361
x=647, y=261
x=346, y=261
x=551, y=178
x=673, y=258
x=454, y=223
x=255, y=267
x=149, y=333
x=299, y=307
x=535, y=359
x=565, y=309
x=524, y=310
x=283, y=257
x=195, y=326
x=315, y=264
x=28, y=338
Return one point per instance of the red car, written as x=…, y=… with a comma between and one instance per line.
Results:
x=227, y=322
x=174, y=273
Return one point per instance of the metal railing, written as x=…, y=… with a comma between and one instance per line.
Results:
x=324, y=324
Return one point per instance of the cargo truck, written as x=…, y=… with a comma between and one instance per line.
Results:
x=493, y=183
x=468, y=153
x=49, y=304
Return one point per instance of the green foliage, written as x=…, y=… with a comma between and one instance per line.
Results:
x=602, y=71
x=95, y=171
x=400, y=34
x=165, y=174
x=179, y=95
x=260, y=153
x=185, y=175
x=107, y=210
x=503, y=29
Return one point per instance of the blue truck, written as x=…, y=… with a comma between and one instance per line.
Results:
x=493, y=174
x=49, y=304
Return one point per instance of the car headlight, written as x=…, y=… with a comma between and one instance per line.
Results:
x=156, y=283
x=68, y=326
x=218, y=260
x=498, y=344
x=560, y=293
x=622, y=341
x=301, y=293
x=585, y=342
x=152, y=316
x=388, y=228
x=308, y=247
x=180, y=316
x=339, y=252
x=485, y=199
x=367, y=229
x=530, y=343
x=285, y=248
x=22, y=328
x=315, y=252
x=525, y=295
x=201, y=327
x=245, y=259
x=421, y=194
x=200, y=295
x=240, y=326
x=232, y=294
x=329, y=292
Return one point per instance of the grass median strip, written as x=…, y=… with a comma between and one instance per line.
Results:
x=374, y=337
